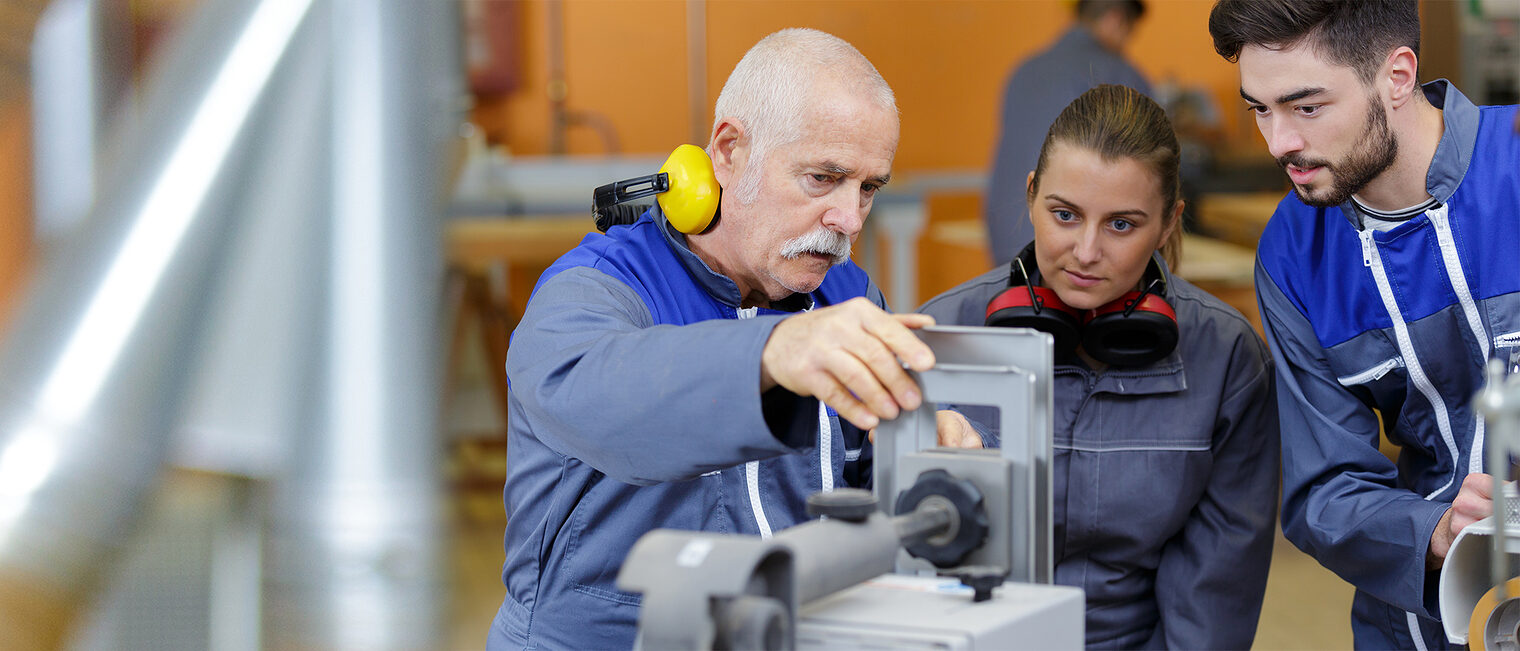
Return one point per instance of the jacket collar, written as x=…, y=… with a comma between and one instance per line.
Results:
x=719, y=286
x=1453, y=153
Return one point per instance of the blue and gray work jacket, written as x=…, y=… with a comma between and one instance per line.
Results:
x=635, y=405
x=1396, y=324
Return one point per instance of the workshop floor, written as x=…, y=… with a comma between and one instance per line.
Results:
x=1306, y=607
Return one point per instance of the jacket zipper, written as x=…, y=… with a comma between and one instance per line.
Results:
x=1371, y=259
x=1372, y=374
x=752, y=468
x=1509, y=341
x=1448, y=246
x=825, y=450
x=825, y=457
x=1406, y=350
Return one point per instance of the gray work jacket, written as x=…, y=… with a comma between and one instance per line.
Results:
x=1165, y=477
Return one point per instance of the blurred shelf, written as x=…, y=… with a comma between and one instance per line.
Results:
x=477, y=243
x=1237, y=218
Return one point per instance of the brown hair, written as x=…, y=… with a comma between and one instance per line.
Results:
x=1091, y=10
x=1358, y=34
x=1120, y=122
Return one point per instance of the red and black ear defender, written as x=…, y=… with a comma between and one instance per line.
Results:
x=1135, y=329
x=685, y=187
x=1027, y=305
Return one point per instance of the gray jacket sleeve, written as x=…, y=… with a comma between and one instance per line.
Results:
x=1340, y=500
x=1213, y=573
x=642, y=403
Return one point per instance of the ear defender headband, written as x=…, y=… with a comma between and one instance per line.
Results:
x=685, y=188
x=1135, y=329
x=1027, y=305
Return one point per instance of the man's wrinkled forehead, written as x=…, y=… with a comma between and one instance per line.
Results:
x=831, y=107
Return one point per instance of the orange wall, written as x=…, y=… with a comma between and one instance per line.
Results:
x=16, y=248
x=946, y=60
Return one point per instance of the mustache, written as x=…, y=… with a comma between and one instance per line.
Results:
x=1301, y=162
x=822, y=241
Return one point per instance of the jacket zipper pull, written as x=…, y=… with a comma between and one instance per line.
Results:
x=1367, y=248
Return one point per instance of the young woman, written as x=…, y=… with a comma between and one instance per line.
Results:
x=1166, y=435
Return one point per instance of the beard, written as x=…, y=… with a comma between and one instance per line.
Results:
x=1376, y=152
x=820, y=240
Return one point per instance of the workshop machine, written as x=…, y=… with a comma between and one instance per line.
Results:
x=952, y=549
x=1479, y=589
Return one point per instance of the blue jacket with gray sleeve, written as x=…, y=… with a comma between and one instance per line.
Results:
x=635, y=405
x=1394, y=324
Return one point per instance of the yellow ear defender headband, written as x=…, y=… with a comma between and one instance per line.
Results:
x=685, y=188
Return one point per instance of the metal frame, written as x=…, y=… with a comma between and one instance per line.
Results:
x=1010, y=368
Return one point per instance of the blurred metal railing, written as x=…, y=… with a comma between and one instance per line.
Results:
x=255, y=291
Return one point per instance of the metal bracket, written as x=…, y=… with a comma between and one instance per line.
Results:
x=1011, y=369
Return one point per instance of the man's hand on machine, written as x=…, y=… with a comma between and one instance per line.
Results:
x=954, y=430
x=1474, y=502
x=847, y=355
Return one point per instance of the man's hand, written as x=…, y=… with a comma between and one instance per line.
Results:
x=953, y=429
x=847, y=356
x=1473, y=503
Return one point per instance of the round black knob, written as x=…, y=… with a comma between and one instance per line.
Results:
x=981, y=579
x=969, y=525
x=848, y=504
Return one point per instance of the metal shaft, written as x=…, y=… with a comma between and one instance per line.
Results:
x=931, y=518
x=832, y=555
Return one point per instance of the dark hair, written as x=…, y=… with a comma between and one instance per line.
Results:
x=1354, y=33
x=1120, y=122
x=1088, y=10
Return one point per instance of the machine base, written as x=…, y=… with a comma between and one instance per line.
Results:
x=896, y=611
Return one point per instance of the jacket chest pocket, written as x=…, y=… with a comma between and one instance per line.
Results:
x=1133, y=423
x=1378, y=378
x=1507, y=350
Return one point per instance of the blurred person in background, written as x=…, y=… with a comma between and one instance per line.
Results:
x=1088, y=54
x=1386, y=280
x=1166, y=438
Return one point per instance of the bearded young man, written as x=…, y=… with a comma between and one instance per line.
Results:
x=1386, y=279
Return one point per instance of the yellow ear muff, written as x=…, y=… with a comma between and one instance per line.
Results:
x=692, y=199
x=685, y=187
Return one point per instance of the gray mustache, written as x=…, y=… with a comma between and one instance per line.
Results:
x=821, y=241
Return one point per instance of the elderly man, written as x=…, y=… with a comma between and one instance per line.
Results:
x=708, y=381
x=1386, y=280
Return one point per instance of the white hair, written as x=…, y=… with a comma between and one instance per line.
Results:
x=768, y=90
